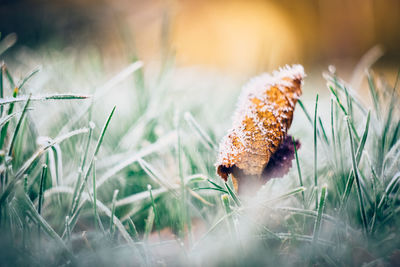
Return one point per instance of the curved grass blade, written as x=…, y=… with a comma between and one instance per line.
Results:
x=100, y=206
x=4, y=130
x=26, y=204
x=374, y=93
x=353, y=128
x=233, y=195
x=27, y=78
x=10, y=149
x=204, y=137
x=286, y=195
x=305, y=111
x=210, y=188
x=317, y=225
x=28, y=163
x=77, y=198
x=127, y=160
x=112, y=227
x=299, y=170
x=5, y=119
x=149, y=224
x=358, y=183
x=360, y=149
x=23, y=98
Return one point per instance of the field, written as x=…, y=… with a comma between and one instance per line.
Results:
x=118, y=169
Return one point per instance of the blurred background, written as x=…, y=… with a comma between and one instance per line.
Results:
x=236, y=36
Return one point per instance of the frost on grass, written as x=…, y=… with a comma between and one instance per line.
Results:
x=260, y=124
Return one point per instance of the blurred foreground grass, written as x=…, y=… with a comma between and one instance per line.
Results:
x=121, y=171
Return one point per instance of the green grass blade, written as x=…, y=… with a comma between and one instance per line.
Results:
x=286, y=195
x=353, y=128
x=389, y=189
x=24, y=203
x=210, y=188
x=321, y=125
x=317, y=225
x=360, y=149
x=41, y=187
x=299, y=171
x=305, y=111
x=4, y=130
x=83, y=162
x=1, y=87
x=6, y=118
x=97, y=220
x=339, y=84
x=315, y=150
x=67, y=228
x=361, y=145
x=23, y=98
x=215, y=184
x=16, y=131
x=204, y=137
x=395, y=135
x=27, y=78
x=373, y=92
x=333, y=137
x=149, y=224
x=112, y=226
x=77, y=198
x=29, y=162
x=156, y=176
x=103, y=131
x=233, y=195
x=156, y=217
x=228, y=211
x=10, y=78
x=358, y=183
x=132, y=230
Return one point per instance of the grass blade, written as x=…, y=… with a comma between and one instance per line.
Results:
x=228, y=211
x=132, y=229
x=323, y=131
x=315, y=151
x=204, y=137
x=27, y=78
x=4, y=130
x=233, y=195
x=41, y=187
x=374, y=93
x=28, y=163
x=77, y=198
x=112, y=227
x=153, y=204
x=360, y=149
x=1, y=87
x=10, y=149
x=305, y=111
x=355, y=171
x=23, y=98
x=210, y=188
x=353, y=128
x=26, y=204
x=299, y=170
x=149, y=224
x=288, y=194
x=5, y=119
x=317, y=225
